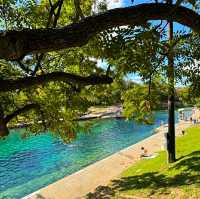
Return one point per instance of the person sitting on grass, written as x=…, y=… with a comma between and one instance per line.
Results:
x=145, y=154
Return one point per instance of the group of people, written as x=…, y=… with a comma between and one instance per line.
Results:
x=191, y=119
x=182, y=115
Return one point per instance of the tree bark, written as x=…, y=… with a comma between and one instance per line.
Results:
x=23, y=109
x=5, y=119
x=16, y=44
x=27, y=82
x=3, y=128
x=171, y=98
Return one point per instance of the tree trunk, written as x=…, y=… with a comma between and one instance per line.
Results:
x=3, y=128
x=171, y=99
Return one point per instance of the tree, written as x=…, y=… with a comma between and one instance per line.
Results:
x=185, y=96
x=138, y=55
x=171, y=98
x=34, y=52
x=46, y=91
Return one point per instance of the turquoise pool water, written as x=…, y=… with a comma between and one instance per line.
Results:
x=27, y=165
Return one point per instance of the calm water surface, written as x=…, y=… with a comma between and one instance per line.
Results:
x=27, y=165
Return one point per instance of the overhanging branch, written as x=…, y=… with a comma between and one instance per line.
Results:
x=26, y=108
x=26, y=82
x=16, y=44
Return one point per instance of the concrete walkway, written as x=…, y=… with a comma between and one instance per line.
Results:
x=77, y=185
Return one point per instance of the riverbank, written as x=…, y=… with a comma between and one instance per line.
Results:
x=103, y=112
x=114, y=111
x=102, y=172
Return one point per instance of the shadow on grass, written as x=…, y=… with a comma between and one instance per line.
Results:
x=188, y=168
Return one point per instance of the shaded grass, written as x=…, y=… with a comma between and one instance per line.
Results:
x=155, y=178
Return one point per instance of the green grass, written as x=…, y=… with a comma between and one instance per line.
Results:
x=155, y=178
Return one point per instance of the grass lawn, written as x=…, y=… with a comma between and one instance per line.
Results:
x=154, y=178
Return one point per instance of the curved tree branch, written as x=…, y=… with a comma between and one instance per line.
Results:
x=26, y=82
x=16, y=44
x=26, y=108
x=4, y=131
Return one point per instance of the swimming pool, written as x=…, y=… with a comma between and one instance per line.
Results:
x=27, y=165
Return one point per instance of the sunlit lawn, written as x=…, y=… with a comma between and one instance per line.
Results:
x=154, y=178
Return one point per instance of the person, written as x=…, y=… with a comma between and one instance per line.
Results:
x=183, y=132
x=181, y=115
x=144, y=152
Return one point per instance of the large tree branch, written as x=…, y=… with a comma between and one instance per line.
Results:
x=16, y=44
x=4, y=120
x=24, y=109
x=26, y=82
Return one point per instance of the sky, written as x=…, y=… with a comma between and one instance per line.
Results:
x=125, y=3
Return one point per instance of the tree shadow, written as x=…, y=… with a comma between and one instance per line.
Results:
x=188, y=168
x=101, y=192
x=150, y=180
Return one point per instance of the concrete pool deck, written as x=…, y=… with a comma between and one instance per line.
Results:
x=77, y=185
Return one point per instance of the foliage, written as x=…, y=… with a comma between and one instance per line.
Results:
x=137, y=105
x=60, y=103
x=130, y=50
x=145, y=50
x=185, y=96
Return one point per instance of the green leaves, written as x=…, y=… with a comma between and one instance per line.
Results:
x=61, y=104
x=136, y=104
